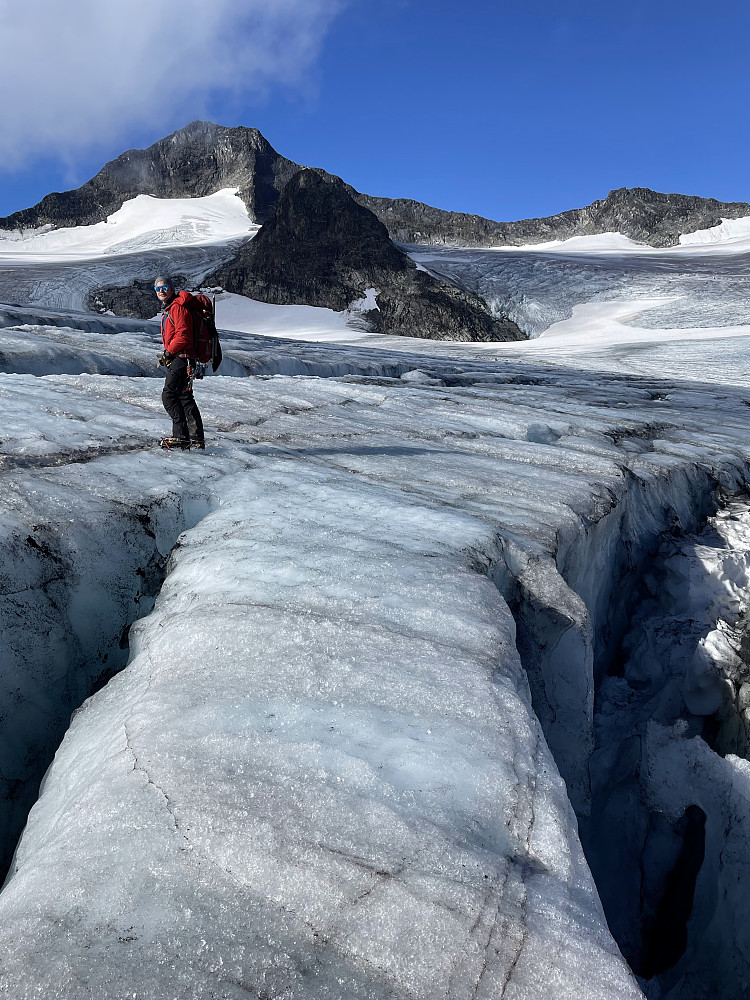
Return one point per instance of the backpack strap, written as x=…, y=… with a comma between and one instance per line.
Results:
x=196, y=331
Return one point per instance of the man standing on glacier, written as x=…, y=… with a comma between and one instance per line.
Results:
x=178, y=357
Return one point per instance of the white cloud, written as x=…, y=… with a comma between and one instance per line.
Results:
x=79, y=74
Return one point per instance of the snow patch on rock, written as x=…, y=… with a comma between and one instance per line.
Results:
x=143, y=223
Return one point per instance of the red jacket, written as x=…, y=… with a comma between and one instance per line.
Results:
x=177, y=326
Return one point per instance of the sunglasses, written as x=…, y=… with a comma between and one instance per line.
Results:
x=161, y=288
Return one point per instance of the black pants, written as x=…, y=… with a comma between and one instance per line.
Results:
x=180, y=404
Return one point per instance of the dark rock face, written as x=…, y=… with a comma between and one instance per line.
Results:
x=137, y=300
x=203, y=157
x=194, y=162
x=651, y=217
x=321, y=248
x=318, y=247
x=643, y=215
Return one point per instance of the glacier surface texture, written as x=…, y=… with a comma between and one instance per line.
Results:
x=363, y=695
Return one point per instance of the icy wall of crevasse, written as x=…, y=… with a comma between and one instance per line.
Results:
x=571, y=606
x=84, y=558
x=670, y=813
x=638, y=721
x=308, y=783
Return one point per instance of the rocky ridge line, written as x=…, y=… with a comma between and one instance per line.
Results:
x=203, y=158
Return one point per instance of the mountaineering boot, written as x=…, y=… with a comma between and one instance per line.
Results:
x=174, y=444
x=201, y=445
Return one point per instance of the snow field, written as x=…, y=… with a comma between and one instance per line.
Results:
x=142, y=224
x=729, y=237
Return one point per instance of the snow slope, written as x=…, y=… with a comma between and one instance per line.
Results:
x=601, y=243
x=143, y=223
x=729, y=237
x=59, y=269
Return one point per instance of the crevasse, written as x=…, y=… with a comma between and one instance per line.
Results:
x=652, y=736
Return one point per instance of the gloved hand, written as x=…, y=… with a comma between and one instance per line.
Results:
x=164, y=358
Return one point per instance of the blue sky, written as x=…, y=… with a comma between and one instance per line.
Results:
x=507, y=109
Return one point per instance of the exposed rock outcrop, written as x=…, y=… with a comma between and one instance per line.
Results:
x=644, y=215
x=202, y=158
x=321, y=248
x=136, y=300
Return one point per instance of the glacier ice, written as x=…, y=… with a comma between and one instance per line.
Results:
x=320, y=783
x=661, y=791
x=287, y=787
x=383, y=666
x=538, y=289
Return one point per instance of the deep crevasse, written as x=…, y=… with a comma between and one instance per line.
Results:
x=670, y=771
x=288, y=787
x=81, y=565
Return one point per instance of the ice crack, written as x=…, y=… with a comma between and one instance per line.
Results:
x=140, y=768
x=9, y=462
x=41, y=585
x=522, y=936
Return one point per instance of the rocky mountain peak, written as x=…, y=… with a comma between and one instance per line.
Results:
x=193, y=162
x=651, y=216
